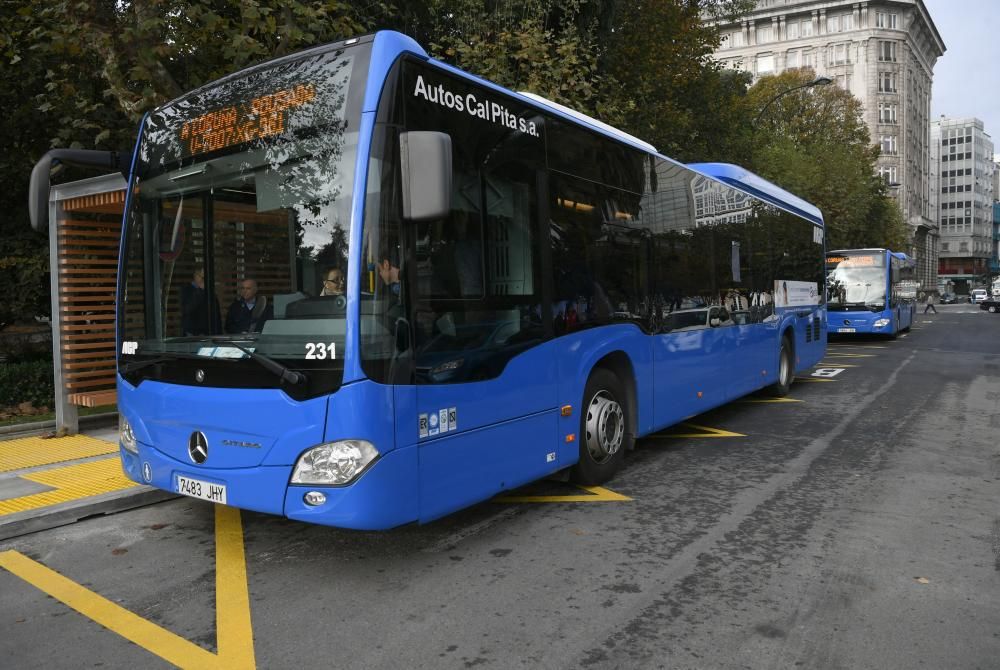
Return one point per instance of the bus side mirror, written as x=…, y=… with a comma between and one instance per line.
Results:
x=426, y=172
x=38, y=189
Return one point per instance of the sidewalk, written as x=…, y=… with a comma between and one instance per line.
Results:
x=46, y=483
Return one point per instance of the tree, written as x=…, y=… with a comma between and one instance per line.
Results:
x=814, y=143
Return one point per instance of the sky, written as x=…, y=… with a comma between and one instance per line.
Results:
x=967, y=76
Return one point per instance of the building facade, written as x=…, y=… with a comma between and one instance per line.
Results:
x=962, y=201
x=883, y=52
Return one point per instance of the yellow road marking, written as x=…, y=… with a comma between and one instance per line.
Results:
x=72, y=482
x=856, y=346
x=233, y=625
x=836, y=365
x=706, y=432
x=30, y=452
x=597, y=494
x=771, y=400
x=813, y=379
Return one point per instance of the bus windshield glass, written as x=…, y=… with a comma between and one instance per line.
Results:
x=236, y=239
x=856, y=281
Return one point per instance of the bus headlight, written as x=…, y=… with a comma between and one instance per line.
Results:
x=881, y=323
x=334, y=463
x=126, y=435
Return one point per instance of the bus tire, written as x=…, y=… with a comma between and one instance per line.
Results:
x=604, y=430
x=786, y=369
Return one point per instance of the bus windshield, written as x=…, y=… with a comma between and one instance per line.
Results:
x=237, y=233
x=857, y=282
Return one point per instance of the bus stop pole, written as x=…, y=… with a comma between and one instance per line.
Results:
x=67, y=416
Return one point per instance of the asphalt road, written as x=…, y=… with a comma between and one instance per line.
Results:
x=858, y=528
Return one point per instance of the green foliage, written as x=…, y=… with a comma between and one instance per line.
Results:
x=814, y=143
x=29, y=381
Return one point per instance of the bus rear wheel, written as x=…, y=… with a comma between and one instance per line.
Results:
x=604, y=430
x=786, y=370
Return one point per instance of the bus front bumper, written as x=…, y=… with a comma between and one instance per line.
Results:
x=383, y=496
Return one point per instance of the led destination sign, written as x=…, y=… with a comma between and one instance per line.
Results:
x=853, y=261
x=261, y=117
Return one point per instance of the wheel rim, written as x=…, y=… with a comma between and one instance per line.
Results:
x=784, y=366
x=605, y=426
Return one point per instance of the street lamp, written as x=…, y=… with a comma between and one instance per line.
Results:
x=818, y=81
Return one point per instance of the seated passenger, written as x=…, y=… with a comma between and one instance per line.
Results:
x=333, y=284
x=249, y=311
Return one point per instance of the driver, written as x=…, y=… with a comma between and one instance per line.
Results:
x=333, y=284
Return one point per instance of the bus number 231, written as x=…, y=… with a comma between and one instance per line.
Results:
x=320, y=351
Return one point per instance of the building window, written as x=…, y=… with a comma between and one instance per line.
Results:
x=736, y=39
x=963, y=246
x=887, y=112
x=887, y=82
x=765, y=64
x=839, y=23
x=888, y=174
x=944, y=246
x=793, y=59
x=886, y=20
x=840, y=54
x=764, y=34
x=792, y=30
x=806, y=28
x=888, y=143
x=887, y=51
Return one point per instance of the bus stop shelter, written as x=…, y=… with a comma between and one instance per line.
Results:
x=85, y=219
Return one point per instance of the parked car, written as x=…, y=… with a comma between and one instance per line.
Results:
x=948, y=298
x=977, y=295
x=990, y=305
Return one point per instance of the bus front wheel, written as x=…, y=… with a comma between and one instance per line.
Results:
x=786, y=370
x=604, y=431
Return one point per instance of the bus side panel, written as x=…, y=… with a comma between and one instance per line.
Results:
x=503, y=432
x=754, y=359
x=692, y=372
x=579, y=352
x=810, y=339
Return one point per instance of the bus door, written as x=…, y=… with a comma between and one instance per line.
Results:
x=485, y=386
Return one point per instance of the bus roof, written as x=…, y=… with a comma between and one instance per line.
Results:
x=746, y=181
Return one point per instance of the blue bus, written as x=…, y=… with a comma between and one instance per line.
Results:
x=360, y=287
x=870, y=291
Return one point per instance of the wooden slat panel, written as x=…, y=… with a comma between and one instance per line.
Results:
x=98, y=309
x=92, y=356
x=87, y=374
x=64, y=299
x=90, y=289
x=79, y=246
x=95, y=234
x=94, y=318
x=95, y=281
x=91, y=384
x=93, y=399
x=97, y=200
x=95, y=328
x=103, y=345
x=102, y=365
x=100, y=272
x=89, y=261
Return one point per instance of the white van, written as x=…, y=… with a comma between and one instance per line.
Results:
x=978, y=295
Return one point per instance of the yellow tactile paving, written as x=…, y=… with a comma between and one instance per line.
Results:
x=30, y=452
x=71, y=483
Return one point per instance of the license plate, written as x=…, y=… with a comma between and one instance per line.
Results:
x=197, y=488
x=845, y=330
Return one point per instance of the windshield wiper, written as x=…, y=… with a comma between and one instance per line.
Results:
x=269, y=364
x=139, y=365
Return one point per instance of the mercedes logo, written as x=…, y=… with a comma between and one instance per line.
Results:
x=200, y=375
x=198, y=447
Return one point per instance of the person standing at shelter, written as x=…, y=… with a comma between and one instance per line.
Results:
x=199, y=309
x=249, y=311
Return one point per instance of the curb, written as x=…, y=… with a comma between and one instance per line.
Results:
x=33, y=521
x=28, y=429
